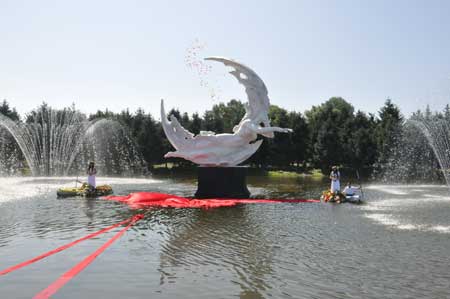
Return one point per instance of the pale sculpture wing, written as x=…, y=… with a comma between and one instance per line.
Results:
x=257, y=94
x=178, y=136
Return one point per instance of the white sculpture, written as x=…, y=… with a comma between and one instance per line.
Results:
x=212, y=149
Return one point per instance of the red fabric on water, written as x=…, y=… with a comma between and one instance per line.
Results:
x=51, y=252
x=66, y=277
x=152, y=199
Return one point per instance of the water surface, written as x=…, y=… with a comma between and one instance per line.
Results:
x=397, y=245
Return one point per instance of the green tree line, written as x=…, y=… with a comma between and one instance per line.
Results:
x=332, y=133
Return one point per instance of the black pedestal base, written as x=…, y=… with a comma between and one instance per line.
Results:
x=222, y=182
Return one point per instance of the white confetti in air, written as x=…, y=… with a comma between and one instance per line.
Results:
x=194, y=61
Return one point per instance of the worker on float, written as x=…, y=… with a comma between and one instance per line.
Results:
x=350, y=190
x=335, y=177
x=91, y=172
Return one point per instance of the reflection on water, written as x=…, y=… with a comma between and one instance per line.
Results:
x=220, y=239
x=394, y=246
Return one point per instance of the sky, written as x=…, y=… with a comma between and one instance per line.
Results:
x=130, y=54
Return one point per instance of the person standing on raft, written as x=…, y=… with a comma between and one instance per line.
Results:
x=91, y=172
x=335, y=177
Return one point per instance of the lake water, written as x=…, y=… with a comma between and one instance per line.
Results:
x=397, y=245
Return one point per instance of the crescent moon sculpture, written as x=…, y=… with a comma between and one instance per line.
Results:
x=228, y=149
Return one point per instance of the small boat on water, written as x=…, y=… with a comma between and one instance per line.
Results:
x=328, y=196
x=84, y=191
x=353, y=198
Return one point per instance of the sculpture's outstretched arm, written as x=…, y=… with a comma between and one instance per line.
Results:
x=264, y=130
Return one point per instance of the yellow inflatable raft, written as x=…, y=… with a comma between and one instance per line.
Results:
x=84, y=191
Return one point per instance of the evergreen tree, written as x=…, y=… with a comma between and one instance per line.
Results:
x=362, y=140
x=196, y=124
x=388, y=131
x=447, y=112
x=185, y=120
x=6, y=110
x=330, y=125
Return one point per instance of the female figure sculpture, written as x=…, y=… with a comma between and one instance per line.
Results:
x=226, y=149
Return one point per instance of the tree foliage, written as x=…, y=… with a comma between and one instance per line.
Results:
x=332, y=133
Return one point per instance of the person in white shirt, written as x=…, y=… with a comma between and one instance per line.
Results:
x=335, y=177
x=350, y=190
x=91, y=172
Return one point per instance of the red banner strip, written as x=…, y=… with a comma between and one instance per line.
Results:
x=51, y=252
x=62, y=280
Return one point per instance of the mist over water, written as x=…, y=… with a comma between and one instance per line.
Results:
x=62, y=142
x=410, y=207
x=437, y=133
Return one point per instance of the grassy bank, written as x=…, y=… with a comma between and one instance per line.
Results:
x=316, y=173
x=275, y=173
